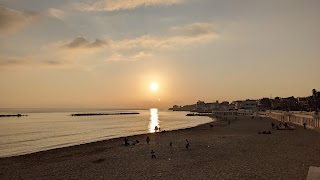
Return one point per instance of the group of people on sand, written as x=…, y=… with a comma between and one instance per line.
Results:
x=153, y=155
x=158, y=129
x=282, y=126
x=126, y=143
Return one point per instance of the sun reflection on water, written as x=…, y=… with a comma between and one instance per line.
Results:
x=154, y=120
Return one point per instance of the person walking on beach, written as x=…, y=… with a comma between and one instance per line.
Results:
x=187, y=145
x=148, y=139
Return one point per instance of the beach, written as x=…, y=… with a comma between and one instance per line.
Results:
x=223, y=151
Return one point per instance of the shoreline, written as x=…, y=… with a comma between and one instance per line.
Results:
x=100, y=141
x=223, y=151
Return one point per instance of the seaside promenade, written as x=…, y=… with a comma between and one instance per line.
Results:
x=311, y=119
x=223, y=151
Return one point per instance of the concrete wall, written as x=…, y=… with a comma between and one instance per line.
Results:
x=312, y=120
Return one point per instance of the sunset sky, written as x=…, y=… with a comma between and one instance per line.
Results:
x=106, y=53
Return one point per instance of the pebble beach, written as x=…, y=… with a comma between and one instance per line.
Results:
x=221, y=151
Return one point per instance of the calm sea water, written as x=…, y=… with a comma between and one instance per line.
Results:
x=47, y=129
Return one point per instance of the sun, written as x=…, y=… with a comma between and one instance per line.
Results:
x=154, y=86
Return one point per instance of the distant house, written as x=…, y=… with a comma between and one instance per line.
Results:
x=240, y=112
x=247, y=104
x=201, y=105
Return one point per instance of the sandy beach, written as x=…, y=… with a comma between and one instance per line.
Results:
x=234, y=151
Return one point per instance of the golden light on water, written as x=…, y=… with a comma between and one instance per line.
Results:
x=154, y=120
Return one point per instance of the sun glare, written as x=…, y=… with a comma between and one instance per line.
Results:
x=154, y=86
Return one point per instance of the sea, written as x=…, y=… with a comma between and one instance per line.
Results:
x=45, y=129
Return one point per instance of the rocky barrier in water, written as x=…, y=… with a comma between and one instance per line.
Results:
x=104, y=114
x=12, y=115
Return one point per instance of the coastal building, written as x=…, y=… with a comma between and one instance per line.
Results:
x=214, y=106
x=247, y=104
x=240, y=112
x=201, y=105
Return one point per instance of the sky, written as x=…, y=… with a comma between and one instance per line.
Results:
x=106, y=53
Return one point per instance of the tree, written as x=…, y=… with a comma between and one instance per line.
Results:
x=265, y=103
x=315, y=100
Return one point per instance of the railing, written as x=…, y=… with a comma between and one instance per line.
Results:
x=311, y=119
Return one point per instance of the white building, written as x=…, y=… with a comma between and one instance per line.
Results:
x=247, y=104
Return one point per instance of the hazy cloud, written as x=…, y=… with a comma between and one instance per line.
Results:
x=11, y=61
x=56, y=13
x=28, y=61
x=78, y=51
x=12, y=20
x=183, y=35
x=114, y=5
x=82, y=42
x=128, y=57
x=194, y=29
x=145, y=46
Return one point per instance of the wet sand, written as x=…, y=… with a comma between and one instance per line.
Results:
x=234, y=151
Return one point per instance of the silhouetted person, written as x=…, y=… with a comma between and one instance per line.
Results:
x=305, y=125
x=156, y=128
x=229, y=122
x=126, y=143
x=170, y=143
x=272, y=125
x=211, y=125
x=153, y=154
x=148, y=139
x=137, y=141
x=286, y=125
x=159, y=129
x=187, y=145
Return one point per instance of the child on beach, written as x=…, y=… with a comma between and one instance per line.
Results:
x=152, y=154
